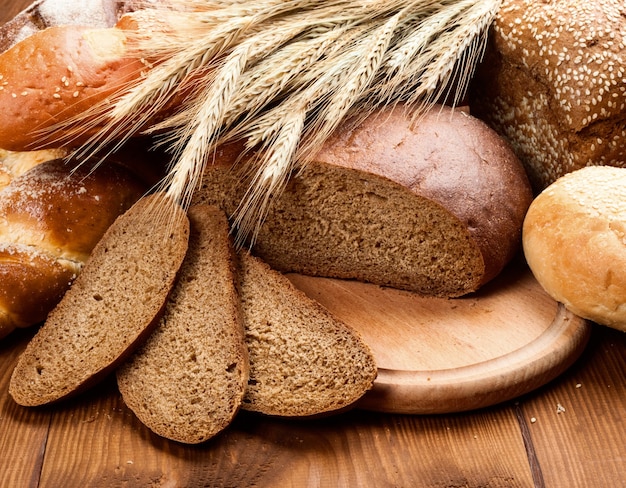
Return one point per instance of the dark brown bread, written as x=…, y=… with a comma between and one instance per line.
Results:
x=435, y=208
x=110, y=308
x=50, y=220
x=187, y=381
x=303, y=361
x=553, y=83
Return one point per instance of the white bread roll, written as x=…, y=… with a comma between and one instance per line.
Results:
x=574, y=239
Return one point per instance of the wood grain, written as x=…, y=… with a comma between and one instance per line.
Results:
x=450, y=355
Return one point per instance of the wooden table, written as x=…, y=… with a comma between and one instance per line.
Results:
x=569, y=433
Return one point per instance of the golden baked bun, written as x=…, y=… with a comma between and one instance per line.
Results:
x=50, y=220
x=574, y=239
x=56, y=74
x=553, y=82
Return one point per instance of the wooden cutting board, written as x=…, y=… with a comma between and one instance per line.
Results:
x=451, y=355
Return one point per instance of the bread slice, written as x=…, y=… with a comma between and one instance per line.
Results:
x=187, y=381
x=303, y=361
x=111, y=306
x=434, y=207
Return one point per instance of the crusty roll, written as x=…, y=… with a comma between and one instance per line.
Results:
x=574, y=239
x=553, y=82
x=56, y=74
x=50, y=220
x=434, y=207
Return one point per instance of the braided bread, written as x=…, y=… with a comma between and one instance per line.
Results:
x=50, y=220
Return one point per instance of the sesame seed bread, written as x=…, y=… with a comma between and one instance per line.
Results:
x=110, y=308
x=187, y=381
x=553, y=83
x=574, y=240
x=56, y=74
x=435, y=208
x=51, y=218
x=303, y=361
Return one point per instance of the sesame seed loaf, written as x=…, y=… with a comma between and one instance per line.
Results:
x=187, y=381
x=56, y=74
x=111, y=306
x=574, y=239
x=435, y=208
x=303, y=361
x=553, y=83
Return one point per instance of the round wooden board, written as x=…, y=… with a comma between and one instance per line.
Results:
x=451, y=355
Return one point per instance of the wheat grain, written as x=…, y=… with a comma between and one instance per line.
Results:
x=282, y=75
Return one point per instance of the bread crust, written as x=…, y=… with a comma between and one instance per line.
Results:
x=448, y=164
x=574, y=238
x=56, y=74
x=553, y=82
x=451, y=158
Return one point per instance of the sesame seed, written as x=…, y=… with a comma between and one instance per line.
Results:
x=56, y=95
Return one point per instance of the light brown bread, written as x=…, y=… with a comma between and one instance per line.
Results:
x=303, y=361
x=111, y=306
x=552, y=83
x=435, y=208
x=187, y=381
x=575, y=243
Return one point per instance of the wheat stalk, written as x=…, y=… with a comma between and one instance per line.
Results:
x=282, y=75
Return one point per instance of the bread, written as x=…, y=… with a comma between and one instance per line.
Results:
x=436, y=209
x=14, y=164
x=574, y=240
x=50, y=220
x=42, y=14
x=56, y=74
x=303, y=361
x=111, y=307
x=187, y=382
x=553, y=83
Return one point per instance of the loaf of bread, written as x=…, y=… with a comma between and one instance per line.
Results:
x=553, y=83
x=50, y=220
x=187, y=381
x=56, y=74
x=41, y=14
x=14, y=164
x=574, y=240
x=435, y=208
x=303, y=361
x=112, y=306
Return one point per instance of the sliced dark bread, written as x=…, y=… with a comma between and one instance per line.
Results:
x=111, y=306
x=303, y=361
x=434, y=207
x=187, y=381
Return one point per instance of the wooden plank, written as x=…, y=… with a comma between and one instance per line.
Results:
x=23, y=432
x=95, y=441
x=578, y=423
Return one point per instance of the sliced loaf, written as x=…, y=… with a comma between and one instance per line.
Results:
x=187, y=381
x=303, y=361
x=434, y=207
x=111, y=306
